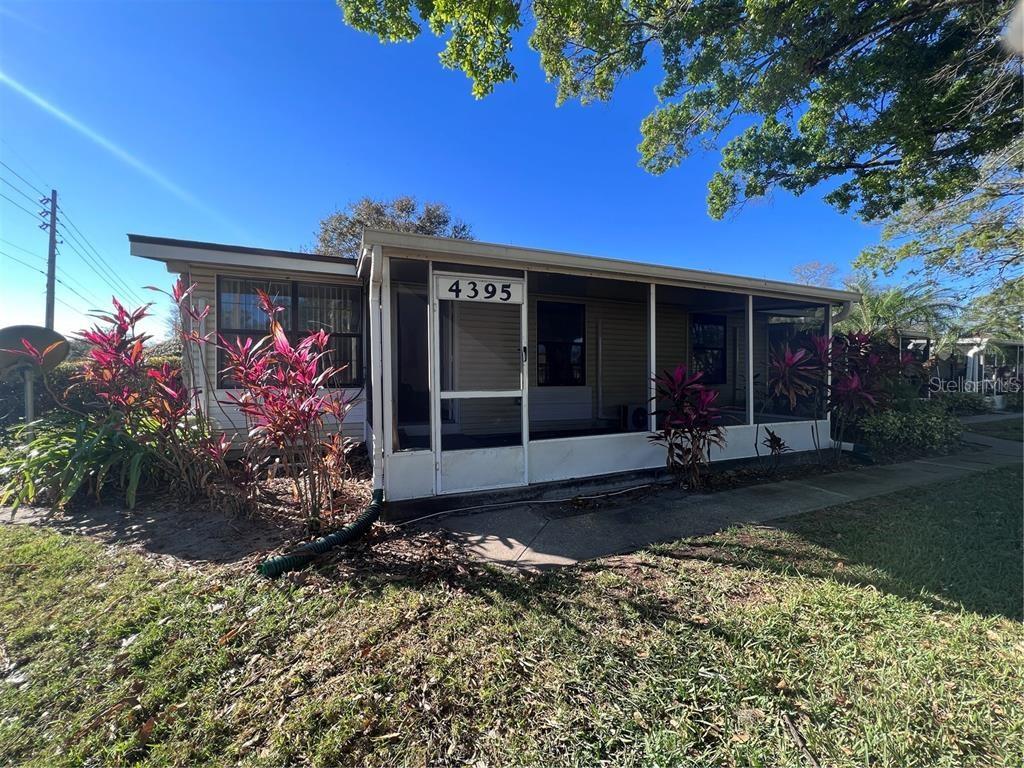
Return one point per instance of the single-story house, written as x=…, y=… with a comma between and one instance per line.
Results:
x=481, y=366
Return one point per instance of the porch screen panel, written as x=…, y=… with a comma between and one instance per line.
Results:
x=705, y=331
x=588, y=370
x=410, y=362
x=482, y=422
x=781, y=326
x=481, y=347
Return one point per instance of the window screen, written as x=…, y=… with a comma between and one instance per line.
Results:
x=307, y=307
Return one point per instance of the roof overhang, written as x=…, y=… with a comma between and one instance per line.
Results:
x=176, y=253
x=596, y=266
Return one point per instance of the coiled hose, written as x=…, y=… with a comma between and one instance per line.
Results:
x=275, y=566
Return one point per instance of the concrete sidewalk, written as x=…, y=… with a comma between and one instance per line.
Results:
x=983, y=418
x=544, y=534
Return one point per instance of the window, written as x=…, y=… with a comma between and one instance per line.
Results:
x=307, y=307
x=707, y=335
x=561, y=351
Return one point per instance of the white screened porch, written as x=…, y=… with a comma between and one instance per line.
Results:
x=502, y=367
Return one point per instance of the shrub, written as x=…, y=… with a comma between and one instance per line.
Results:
x=689, y=425
x=288, y=405
x=60, y=388
x=926, y=428
x=964, y=403
x=123, y=420
x=1014, y=401
x=64, y=455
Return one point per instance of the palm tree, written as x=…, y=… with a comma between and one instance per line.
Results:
x=890, y=310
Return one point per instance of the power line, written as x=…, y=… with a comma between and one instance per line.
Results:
x=23, y=250
x=101, y=269
x=70, y=231
x=19, y=190
x=16, y=204
x=91, y=298
x=82, y=312
x=37, y=189
x=65, y=218
x=32, y=168
x=89, y=262
x=43, y=273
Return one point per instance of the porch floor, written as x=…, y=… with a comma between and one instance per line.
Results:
x=534, y=536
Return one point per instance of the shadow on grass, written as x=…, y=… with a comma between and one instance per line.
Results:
x=956, y=544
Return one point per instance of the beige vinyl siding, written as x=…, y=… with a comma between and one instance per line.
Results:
x=487, y=349
x=485, y=355
x=672, y=336
x=615, y=341
x=225, y=415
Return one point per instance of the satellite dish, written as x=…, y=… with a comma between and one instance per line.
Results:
x=53, y=347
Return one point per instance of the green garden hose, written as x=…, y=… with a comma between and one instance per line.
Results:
x=275, y=566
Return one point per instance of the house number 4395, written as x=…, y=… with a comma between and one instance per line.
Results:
x=470, y=287
x=474, y=290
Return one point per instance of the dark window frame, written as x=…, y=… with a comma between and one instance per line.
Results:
x=355, y=369
x=548, y=344
x=723, y=349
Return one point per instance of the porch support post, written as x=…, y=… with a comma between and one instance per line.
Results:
x=652, y=356
x=386, y=342
x=524, y=339
x=828, y=373
x=377, y=396
x=750, y=358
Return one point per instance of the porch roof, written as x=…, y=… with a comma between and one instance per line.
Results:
x=596, y=266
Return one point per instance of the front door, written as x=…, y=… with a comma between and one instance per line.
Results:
x=479, y=385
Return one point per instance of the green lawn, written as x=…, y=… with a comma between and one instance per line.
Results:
x=1007, y=429
x=885, y=632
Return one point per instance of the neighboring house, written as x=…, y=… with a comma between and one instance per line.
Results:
x=504, y=366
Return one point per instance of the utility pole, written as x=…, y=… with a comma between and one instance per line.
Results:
x=51, y=259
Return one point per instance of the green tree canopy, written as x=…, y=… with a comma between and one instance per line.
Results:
x=975, y=239
x=998, y=314
x=340, y=233
x=892, y=100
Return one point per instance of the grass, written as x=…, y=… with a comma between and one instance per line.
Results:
x=885, y=632
x=1007, y=429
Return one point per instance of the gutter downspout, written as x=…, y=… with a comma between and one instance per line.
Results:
x=376, y=366
x=843, y=313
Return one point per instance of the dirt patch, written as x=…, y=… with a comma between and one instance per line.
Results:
x=196, y=534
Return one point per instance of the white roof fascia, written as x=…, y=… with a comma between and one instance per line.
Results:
x=180, y=254
x=604, y=267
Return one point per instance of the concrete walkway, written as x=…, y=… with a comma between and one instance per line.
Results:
x=983, y=418
x=542, y=535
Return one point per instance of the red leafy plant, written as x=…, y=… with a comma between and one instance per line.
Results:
x=291, y=412
x=689, y=424
x=139, y=425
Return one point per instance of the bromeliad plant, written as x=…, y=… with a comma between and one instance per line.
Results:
x=689, y=424
x=289, y=407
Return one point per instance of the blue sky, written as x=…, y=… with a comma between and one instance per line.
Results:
x=246, y=122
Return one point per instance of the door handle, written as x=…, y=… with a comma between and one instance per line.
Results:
x=524, y=354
